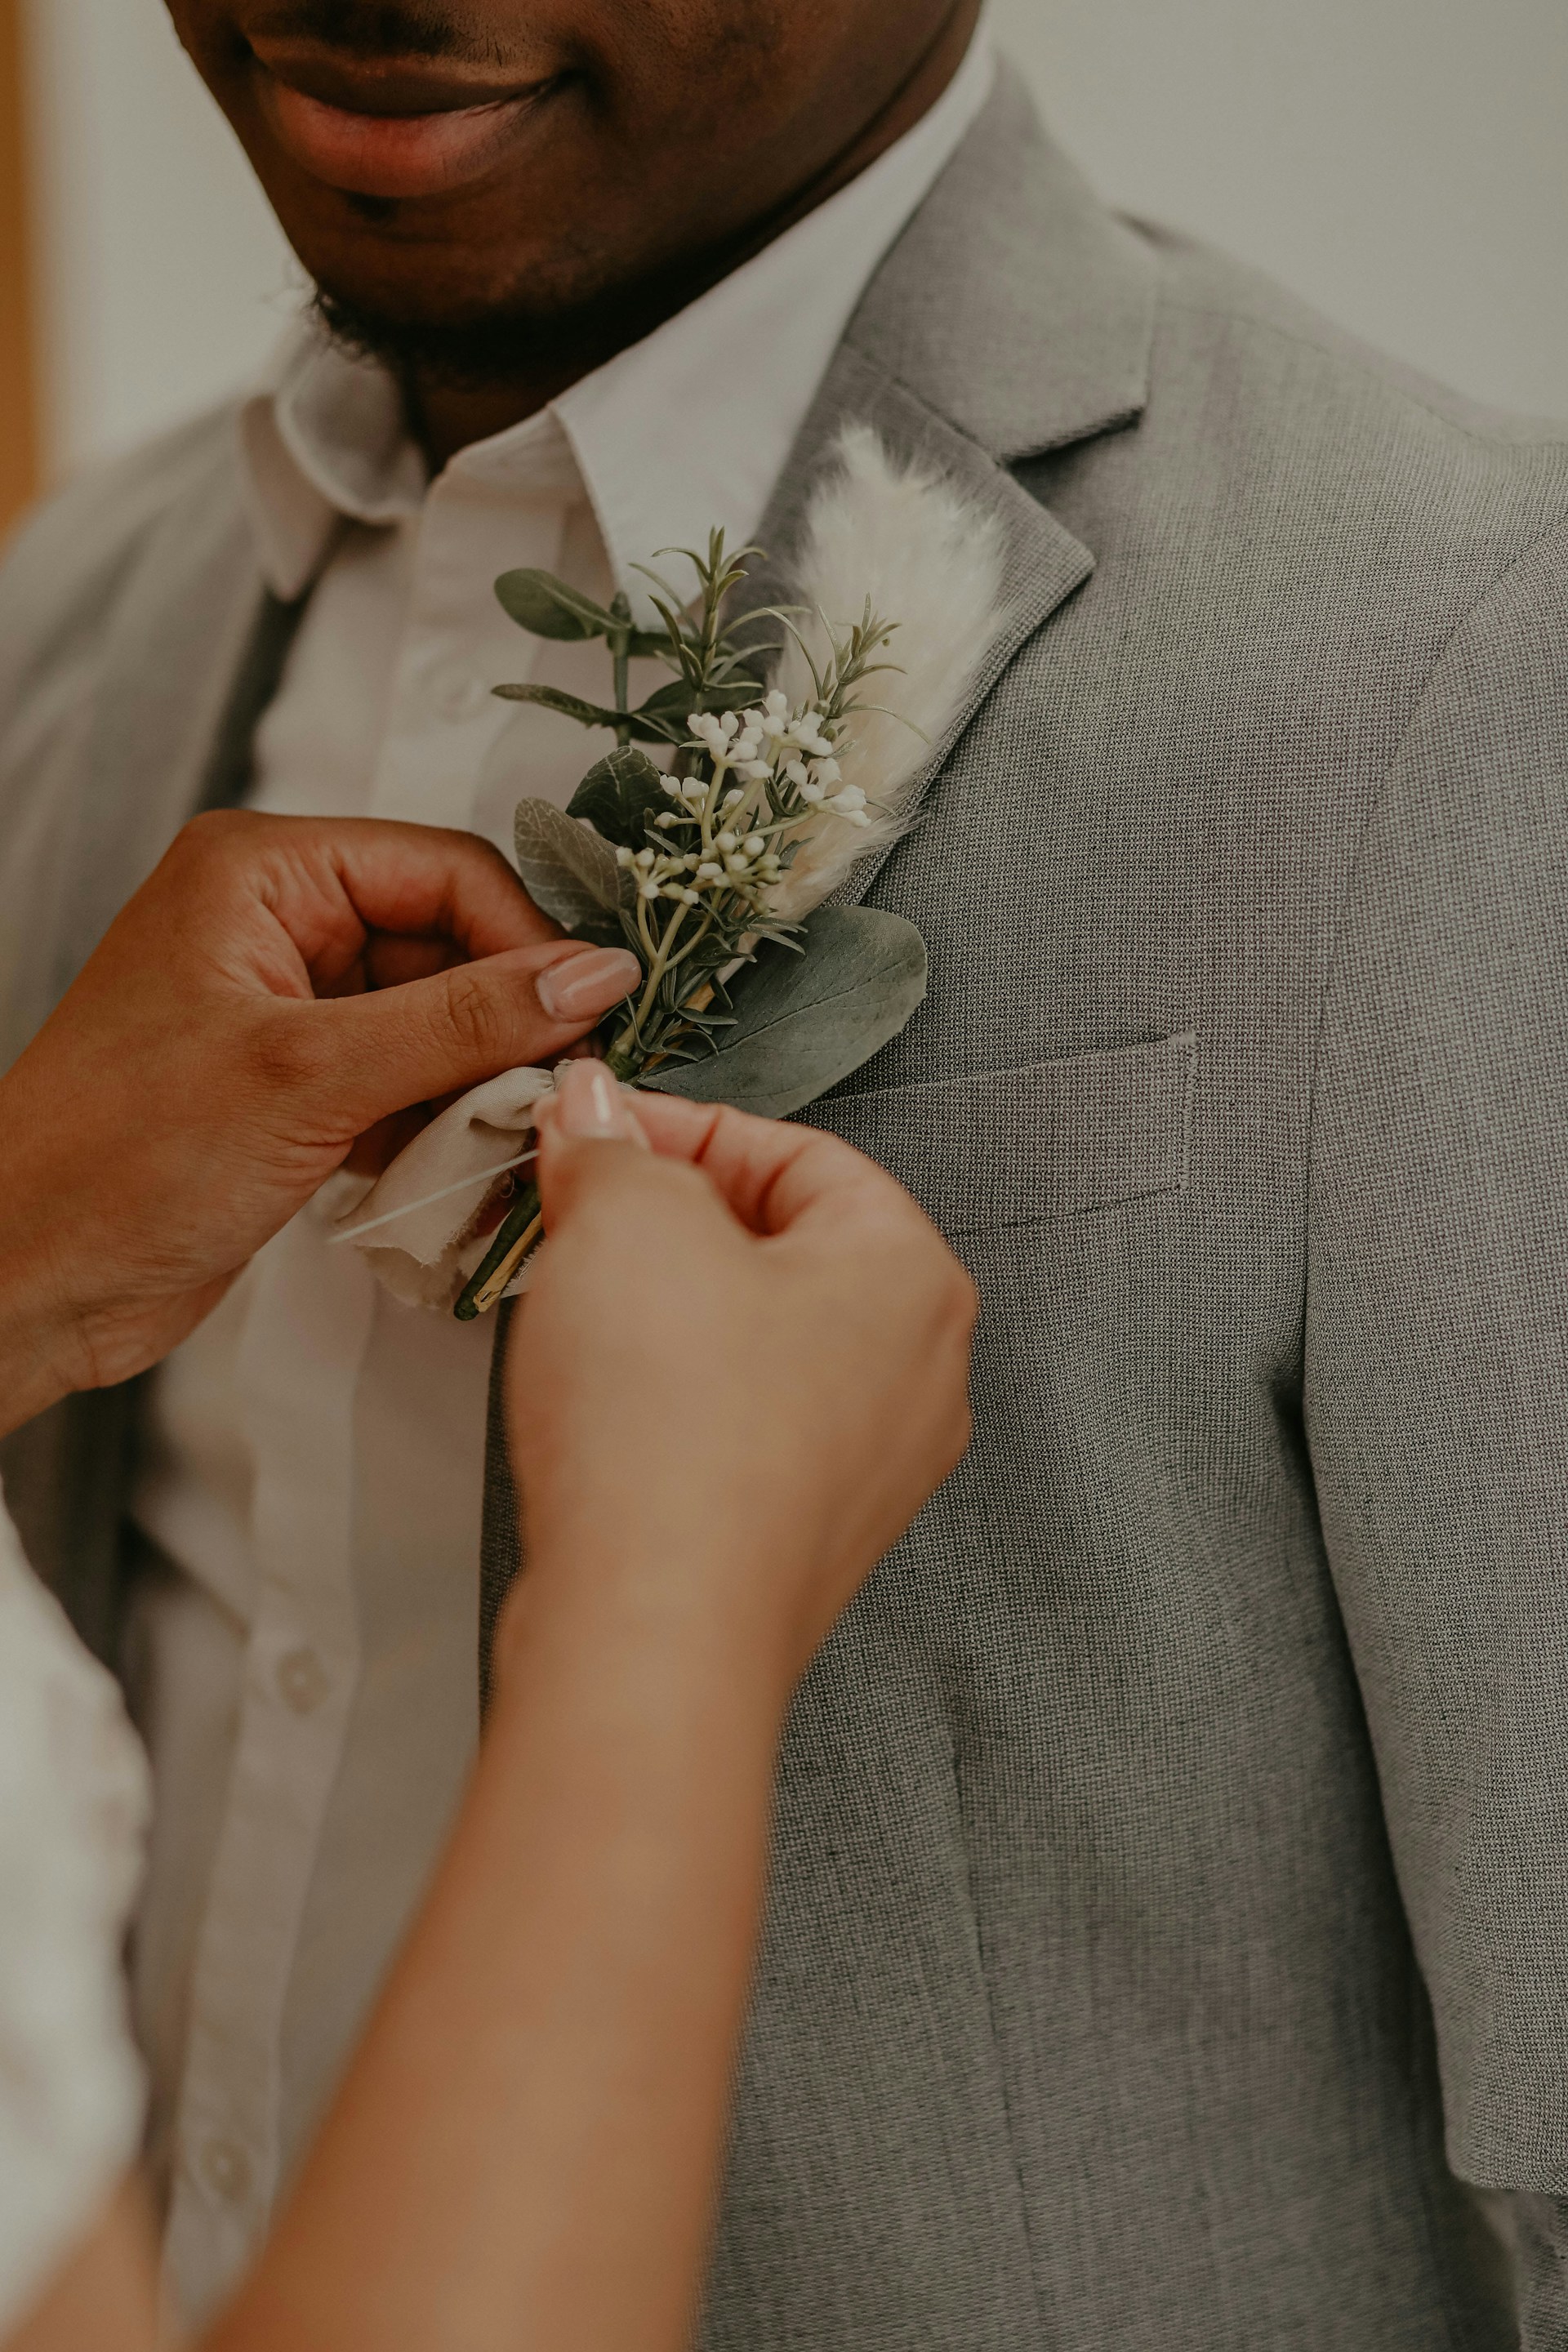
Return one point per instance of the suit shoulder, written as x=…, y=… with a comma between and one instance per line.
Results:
x=1210, y=300
x=1286, y=485
x=61, y=566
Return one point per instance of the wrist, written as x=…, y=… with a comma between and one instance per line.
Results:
x=682, y=1619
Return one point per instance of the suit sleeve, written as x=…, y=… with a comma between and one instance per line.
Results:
x=1436, y=1372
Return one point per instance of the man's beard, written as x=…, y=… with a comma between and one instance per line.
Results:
x=514, y=343
x=481, y=354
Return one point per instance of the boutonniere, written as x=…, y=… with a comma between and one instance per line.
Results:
x=739, y=797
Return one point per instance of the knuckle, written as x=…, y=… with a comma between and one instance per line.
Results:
x=286, y=1057
x=476, y=1017
x=215, y=833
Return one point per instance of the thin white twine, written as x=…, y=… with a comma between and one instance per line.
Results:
x=352, y=1233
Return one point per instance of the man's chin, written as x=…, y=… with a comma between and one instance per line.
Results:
x=475, y=354
x=510, y=342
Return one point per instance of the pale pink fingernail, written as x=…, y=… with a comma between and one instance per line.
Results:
x=581, y=987
x=588, y=1102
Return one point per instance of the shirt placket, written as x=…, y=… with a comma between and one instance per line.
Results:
x=299, y=1369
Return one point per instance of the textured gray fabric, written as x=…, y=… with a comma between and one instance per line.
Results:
x=65, y=1474
x=501, y=1532
x=1172, y=1841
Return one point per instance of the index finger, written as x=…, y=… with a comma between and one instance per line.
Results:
x=423, y=880
x=770, y=1174
x=332, y=883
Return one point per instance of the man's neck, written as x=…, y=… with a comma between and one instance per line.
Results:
x=447, y=417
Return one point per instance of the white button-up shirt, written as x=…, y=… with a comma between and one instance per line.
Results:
x=314, y=1469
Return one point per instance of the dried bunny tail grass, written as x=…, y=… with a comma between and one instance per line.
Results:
x=929, y=560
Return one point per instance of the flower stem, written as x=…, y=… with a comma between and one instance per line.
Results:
x=516, y=1233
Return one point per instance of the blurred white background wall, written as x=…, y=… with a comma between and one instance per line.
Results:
x=1403, y=164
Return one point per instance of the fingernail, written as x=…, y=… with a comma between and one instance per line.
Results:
x=580, y=987
x=589, y=1103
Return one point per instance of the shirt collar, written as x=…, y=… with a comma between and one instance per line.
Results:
x=687, y=429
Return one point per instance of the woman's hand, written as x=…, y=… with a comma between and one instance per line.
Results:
x=279, y=987
x=741, y=1370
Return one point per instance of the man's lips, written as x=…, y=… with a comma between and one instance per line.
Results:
x=386, y=145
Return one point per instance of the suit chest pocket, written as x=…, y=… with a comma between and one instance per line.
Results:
x=1023, y=1147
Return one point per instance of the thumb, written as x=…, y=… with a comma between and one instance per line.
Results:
x=378, y=1053
x=594, y=1160
x=587, y=1111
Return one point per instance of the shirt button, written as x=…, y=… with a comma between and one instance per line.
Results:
x=303, y=1679
x=225, y=2168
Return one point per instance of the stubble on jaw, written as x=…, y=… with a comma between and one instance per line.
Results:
x=670, y=139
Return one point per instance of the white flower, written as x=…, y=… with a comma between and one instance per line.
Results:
x=812, y=794
x=643, y=858
x=709, y=872
x=623, y=857
x=754, y=844
x=850, y=798
x=665, y=818
x=795, y=770
x=726, y=841
x=827, y=772
x=776, y=704
x=733, y=800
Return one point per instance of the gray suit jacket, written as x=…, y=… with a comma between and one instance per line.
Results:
x=1171, y=1891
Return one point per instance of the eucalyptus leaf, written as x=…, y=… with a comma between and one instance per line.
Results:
x=804, y=1022
x=546, y=607
x=620, y=794
x=569, y=872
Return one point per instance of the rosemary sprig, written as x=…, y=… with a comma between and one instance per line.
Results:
x=704, y=846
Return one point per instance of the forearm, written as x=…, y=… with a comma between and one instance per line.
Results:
x=525, y=2150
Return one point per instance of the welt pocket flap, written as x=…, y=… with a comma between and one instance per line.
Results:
x=1051, y=1139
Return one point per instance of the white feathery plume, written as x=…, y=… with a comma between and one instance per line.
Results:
x=926, y=557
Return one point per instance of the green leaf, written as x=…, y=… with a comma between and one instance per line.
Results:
x=591, y=714
x=804, y=1022
x=676, y=700
x=546, y=607
x=569, y=872
x=620, y=794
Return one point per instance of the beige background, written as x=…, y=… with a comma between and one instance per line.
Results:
x=1402, y=162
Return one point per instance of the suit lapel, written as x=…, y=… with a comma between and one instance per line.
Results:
x=185, y=619
x=1042, y=562
x=1013, y=316
x=195, y=653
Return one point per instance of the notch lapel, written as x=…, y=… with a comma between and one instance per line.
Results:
x=195, y=650
x=187, y=616
x=1042, y=564
x=1013, y=316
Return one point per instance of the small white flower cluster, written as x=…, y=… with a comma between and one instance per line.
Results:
x=771, y=777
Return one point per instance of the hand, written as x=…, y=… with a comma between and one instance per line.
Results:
x=278, y=987
x=739, y=1371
